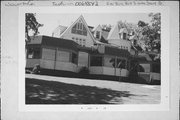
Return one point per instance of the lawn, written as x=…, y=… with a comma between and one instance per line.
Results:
x=50, y=92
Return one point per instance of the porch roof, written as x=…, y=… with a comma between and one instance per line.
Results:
x=54, y=42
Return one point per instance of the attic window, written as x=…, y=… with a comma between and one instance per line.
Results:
x=79, y=28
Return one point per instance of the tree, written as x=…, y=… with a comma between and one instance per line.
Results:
x=142, y=24
x=31, y=25
x=106, y=27
x=151, y=32
x=156, y=22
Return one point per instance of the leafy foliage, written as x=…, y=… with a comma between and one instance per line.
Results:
x=145, y=35
x=31, y=25
x=150, y=33
x=129, y=26
x=156, y=21
x=106, y=27
x=142, y=24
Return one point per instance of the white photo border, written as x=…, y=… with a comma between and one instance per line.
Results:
x=165, y=63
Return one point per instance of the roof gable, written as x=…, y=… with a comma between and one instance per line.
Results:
x=114, y=33
x=81, y=19
x=97, y=28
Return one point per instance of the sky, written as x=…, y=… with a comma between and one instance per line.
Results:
x=51, y=21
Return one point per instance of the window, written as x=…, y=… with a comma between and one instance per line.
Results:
x=98, y=34
x=80, y=41
x=48, y=54
x=109, y=61
x=33, y=53
x=84, y=42
x=124, y=36
x=63, y=56
x=74, y=58
x=96, y=61
x=121, y=63
x=83, y=59
x=77, y=40
x=79, y=28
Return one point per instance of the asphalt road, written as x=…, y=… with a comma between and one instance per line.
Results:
x=42, y=89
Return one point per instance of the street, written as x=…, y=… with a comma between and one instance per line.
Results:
x=41, y=89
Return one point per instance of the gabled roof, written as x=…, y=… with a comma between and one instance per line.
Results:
x=104, y=34
x=95, y=28
x=114, y=33
x=123, y=30
x=83, y=20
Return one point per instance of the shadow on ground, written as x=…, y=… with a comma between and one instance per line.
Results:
x=50, y=92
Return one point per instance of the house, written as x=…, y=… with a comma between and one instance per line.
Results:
x=65, y=57
x=105, y=53
x=97, y=39
x=78, y=32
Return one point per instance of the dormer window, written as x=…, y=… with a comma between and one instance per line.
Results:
x=98, y=34
x=124, y=36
